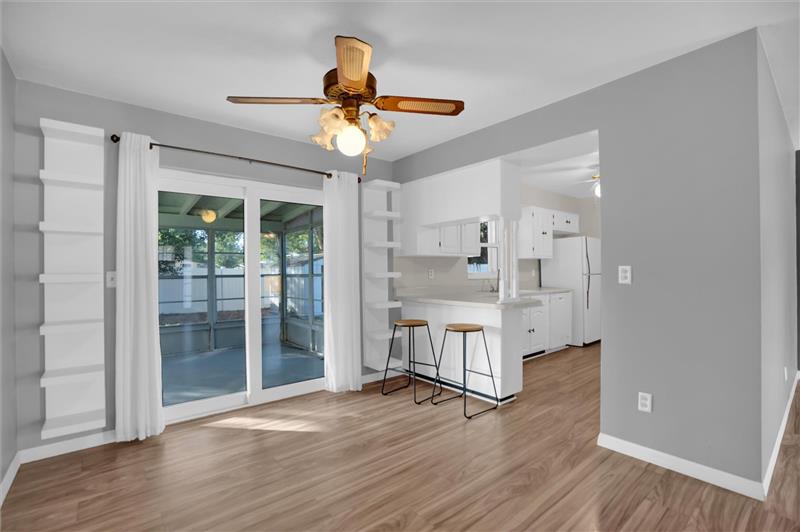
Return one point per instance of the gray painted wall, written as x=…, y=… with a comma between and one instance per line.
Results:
x=778, y=259
x=34, y=101
x=679, y=151
x=8, y=400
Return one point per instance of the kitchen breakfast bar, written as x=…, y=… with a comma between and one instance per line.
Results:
x=503, y=324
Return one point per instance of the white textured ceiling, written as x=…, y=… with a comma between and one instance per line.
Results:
x=502, y=59
x=565, y=166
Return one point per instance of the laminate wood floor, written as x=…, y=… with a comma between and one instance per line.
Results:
x=360, y=461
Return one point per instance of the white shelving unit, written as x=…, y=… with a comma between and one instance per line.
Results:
x=74, y=355
x=376, y=218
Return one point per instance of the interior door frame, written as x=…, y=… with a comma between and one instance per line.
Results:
x=252, y=192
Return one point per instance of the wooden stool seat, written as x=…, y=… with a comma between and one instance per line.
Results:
x=464, y=327
x=410, y=323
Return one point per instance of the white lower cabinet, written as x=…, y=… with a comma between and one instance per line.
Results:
x=560, y=320
x=548, y=326
x=537, y=329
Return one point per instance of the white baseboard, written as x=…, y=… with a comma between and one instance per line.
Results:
x=49, y=450
x=67, y=446
x=8, y=478
x=776, y=449
x=744, y=486
x=371, y=377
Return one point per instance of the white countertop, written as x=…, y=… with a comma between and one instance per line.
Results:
x=482, y=299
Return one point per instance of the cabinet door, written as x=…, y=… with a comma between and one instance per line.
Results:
x=450, y=239
x=566, y=222
x=572, y=222
x=526, y=331
x=542, y=233
x=560, y=320
x=471, y=239
x=525, y=242
x=539, y=327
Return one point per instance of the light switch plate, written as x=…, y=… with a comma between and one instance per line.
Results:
x=111, y=279
x=431, y=274
x=624, y=275
x=645, y=402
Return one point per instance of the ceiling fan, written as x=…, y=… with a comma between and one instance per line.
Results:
x=349, y=86
x=596, y=186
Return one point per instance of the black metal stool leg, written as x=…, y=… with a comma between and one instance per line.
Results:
x=491, y=375
x=386, y=371
x=439, y=379
x=436, y=364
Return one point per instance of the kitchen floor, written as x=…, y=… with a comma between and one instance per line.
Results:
x=361, y=461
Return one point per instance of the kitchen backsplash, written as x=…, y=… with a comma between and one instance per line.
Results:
x=450, y=273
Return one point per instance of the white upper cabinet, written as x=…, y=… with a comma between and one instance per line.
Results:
x=566, y=222
x=450, y=239
x=535, y=237
x=447, y=206
x=471, y=239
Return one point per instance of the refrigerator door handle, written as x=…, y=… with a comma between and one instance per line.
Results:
x=588, y=262
x=588, y=287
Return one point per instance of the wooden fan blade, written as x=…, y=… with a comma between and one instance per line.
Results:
x=352, y=62
x=411, y=104
x=270, y=100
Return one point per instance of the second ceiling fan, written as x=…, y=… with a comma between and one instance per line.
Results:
x=349, y=86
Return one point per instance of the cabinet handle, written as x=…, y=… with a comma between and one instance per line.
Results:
x=544, y=233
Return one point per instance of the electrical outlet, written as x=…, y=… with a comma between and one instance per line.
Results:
x=645, y=402
x=624, y=274
x=111, y=279
x=533, y=273
x=431, y=274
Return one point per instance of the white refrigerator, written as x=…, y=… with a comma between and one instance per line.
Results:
x=576, y=265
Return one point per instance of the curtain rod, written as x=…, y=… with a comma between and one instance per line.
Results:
x=115, y=139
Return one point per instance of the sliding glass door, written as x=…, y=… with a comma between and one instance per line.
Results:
x=201, y=296
x=291, y=293
x=240, y=297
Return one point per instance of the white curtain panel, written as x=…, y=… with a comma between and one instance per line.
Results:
x=342, y=283
x=138, y=353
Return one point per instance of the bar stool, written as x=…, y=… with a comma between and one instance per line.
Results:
x=411, y=372
x=465, y=328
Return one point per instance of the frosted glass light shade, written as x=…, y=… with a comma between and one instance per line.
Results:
x=351, y=141
x=596, y=189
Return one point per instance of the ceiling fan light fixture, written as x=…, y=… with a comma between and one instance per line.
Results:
x=379, y=129
x=351, y=140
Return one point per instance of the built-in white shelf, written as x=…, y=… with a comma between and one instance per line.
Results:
x=54, y=129
x=62, y=327
x=384, y=335
x=381, y=184
x=384, y=275
x=382, y=215
x=69, y=180
x=63, y=425
x=70, y=278
x=383, y=244
x=55, y=377
x=50, y=227
x=74, y=378
x=384, y=304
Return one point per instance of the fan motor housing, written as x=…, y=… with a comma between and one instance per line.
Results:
x=335, y=91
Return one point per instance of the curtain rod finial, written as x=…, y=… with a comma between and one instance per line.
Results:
x=114, y=138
